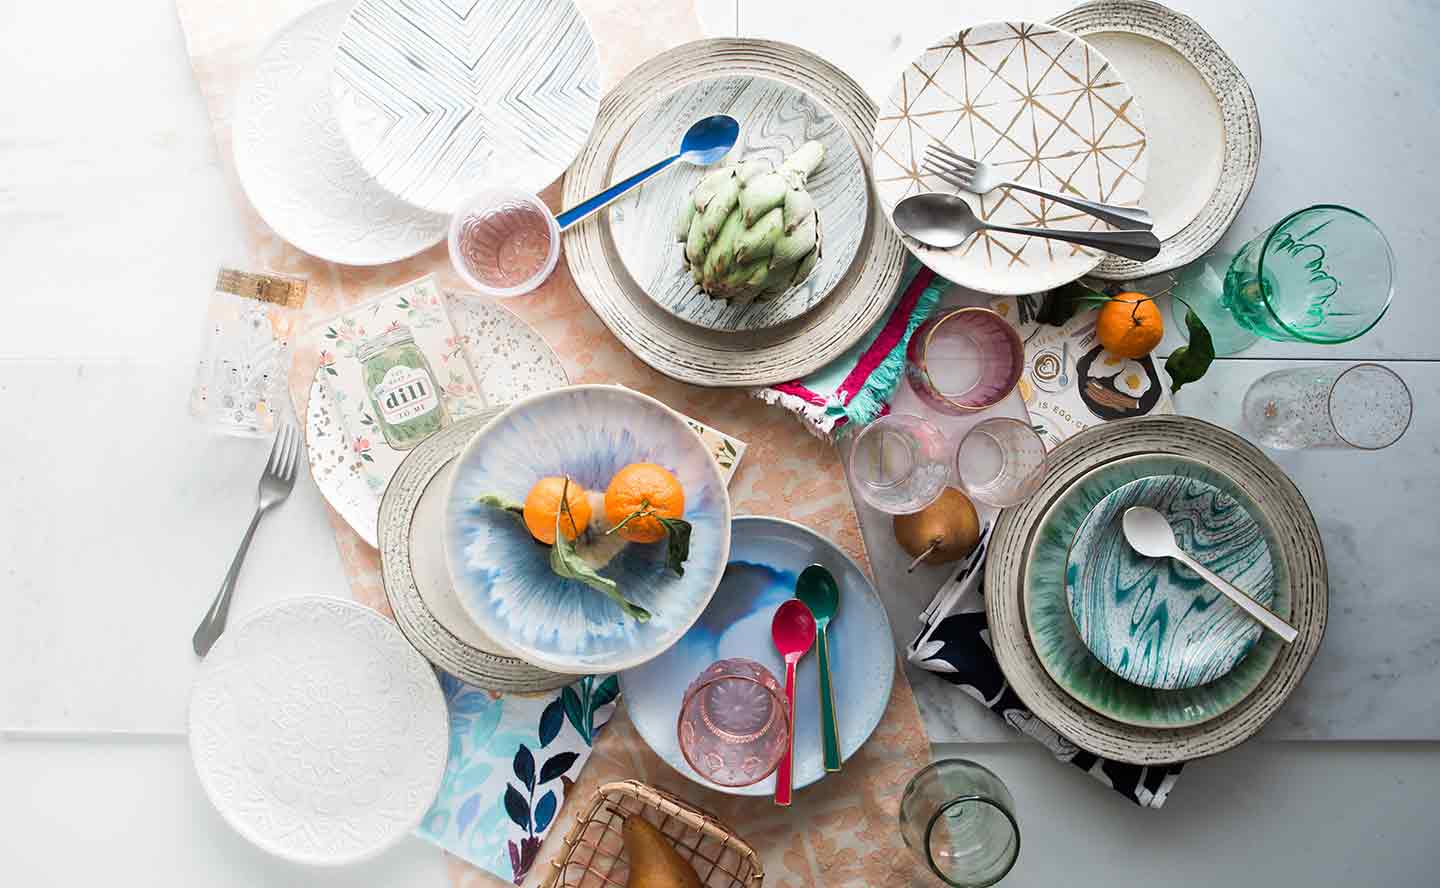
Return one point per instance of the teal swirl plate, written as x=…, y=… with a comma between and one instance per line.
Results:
x=1153, y=621
x=1058, y=643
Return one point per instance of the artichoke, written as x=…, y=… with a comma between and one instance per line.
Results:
x=751, y=231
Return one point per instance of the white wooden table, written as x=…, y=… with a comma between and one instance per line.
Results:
x=113, y=216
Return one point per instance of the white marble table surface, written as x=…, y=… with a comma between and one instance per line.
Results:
x=113, y=216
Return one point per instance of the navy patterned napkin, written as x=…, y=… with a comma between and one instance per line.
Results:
x=955, y=645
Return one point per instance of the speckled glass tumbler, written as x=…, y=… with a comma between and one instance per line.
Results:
x=1364, y=406
x=734, y=723
x=960, y=818
x=897, y=463
x=964, y=360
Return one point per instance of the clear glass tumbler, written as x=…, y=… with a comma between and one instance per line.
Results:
x=1001, y=461
x=1364, y=406
x=960, y=819
x=734, y=723
x=898, y=463
x=1324, y=274
x=964, y=360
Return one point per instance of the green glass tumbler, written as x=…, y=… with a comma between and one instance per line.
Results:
x=960, y=819
x=1324, y=274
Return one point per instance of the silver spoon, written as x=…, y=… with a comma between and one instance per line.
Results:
x=946, y=220
x=1149, y=534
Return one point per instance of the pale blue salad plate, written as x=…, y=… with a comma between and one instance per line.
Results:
x=766, y=557
x=1153, y=621
x=502, y=576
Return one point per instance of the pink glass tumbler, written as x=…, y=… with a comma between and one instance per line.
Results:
x=964, y=360
x=734, y=723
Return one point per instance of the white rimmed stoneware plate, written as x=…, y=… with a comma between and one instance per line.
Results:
x=294, y=164
x=1047, y=109
x=775, y=119
x=766, y=555
x=438, y=100
x=1200, y=116
x=510, y=360
x=318, y=732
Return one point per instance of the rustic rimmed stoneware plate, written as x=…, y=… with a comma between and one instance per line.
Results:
x=1200, y=117
x=1043, y=106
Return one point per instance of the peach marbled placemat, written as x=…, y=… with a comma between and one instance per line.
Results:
x=842, y=831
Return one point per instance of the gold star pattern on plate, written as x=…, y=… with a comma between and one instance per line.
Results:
x=1040, y=104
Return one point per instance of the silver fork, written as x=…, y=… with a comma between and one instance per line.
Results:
x=276, y=482
x=978, y=177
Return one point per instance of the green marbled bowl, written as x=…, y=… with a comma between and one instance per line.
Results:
x=1058, y=645
x=1153, y=621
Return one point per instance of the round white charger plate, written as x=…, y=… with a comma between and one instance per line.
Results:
x=296, y=168
x=510, y=360
x=1044, y=106
x=775, y=119
x=318, y=732
x=1200, y=115
x=438, y=100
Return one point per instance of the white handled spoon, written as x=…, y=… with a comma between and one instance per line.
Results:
x=1149, y=533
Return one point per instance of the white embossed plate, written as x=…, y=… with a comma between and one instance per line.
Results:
x=775, y=119
x=1045, y=107
x=318, y=732
x=294, y=165
x=510, y=360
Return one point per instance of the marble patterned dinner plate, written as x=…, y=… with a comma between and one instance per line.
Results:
x=1153, y=621
x=1045, y=107
x=1200, y=116
x=438, y=100
x=1040, y=651
x=766, y=556
x=775, y=119
x=295, y=167
x=503, y=576
x=510, y=360
x=1059, y=645
x=317, y=731
x=417, y=582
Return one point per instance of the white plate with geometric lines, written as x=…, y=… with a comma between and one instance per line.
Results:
x=1047, y=109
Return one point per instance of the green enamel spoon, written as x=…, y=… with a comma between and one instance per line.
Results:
x=817, y=588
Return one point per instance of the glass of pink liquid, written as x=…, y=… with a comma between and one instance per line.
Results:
x=504, y=242
x=734, y=723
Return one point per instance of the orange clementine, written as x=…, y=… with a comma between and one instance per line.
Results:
x=649, y=490
x=543, y=503
x=1130, y=325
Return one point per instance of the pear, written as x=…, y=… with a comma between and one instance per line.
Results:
x=654, y=862
x=944, y=531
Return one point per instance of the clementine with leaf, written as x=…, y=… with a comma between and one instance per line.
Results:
x=639, y=496
x=542, y=507
x=1129, y=325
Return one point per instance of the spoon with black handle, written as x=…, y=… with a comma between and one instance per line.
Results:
x=946, y=220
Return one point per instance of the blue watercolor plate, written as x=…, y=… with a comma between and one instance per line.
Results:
x=766, y=556
x=503, y=577
x=1152, y=621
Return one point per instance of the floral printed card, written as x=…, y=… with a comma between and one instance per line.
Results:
x=513, y=759
x=399, y=374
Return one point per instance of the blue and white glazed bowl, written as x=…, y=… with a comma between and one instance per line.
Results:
x=502, y=576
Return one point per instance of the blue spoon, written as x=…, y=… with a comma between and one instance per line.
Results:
x=706, y=141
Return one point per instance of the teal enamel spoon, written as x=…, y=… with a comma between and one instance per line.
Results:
x=817, y=588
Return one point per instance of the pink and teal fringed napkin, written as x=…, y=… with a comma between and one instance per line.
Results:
x=856, y=387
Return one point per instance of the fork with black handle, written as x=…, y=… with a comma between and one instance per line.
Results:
x=276, y=482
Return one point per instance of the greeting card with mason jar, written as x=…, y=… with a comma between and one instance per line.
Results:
x=399, y=374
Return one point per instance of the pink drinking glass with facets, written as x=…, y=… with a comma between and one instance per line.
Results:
x=734, y=723
x=964, y=360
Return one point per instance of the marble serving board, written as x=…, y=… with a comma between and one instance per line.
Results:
x=775, y=119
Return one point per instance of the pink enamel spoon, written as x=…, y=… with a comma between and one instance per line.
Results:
x=793, y=630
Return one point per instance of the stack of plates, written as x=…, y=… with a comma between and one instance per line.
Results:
x=1196, y=680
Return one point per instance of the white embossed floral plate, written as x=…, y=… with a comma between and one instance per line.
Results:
x=317, y=731
x=1043, y=106
x=510, y=360
x=294, y=165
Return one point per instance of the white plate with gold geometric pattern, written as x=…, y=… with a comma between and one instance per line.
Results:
x=1044, y=107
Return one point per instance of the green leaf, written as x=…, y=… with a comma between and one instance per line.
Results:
x=1189, y=362
x=1061, y=303
x=567, y=563
x=575, y=711
x=677, y=549
x=499, y=502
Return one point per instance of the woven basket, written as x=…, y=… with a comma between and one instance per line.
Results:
x=594, y=855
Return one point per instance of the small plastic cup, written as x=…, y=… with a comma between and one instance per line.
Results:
x=504, y=242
